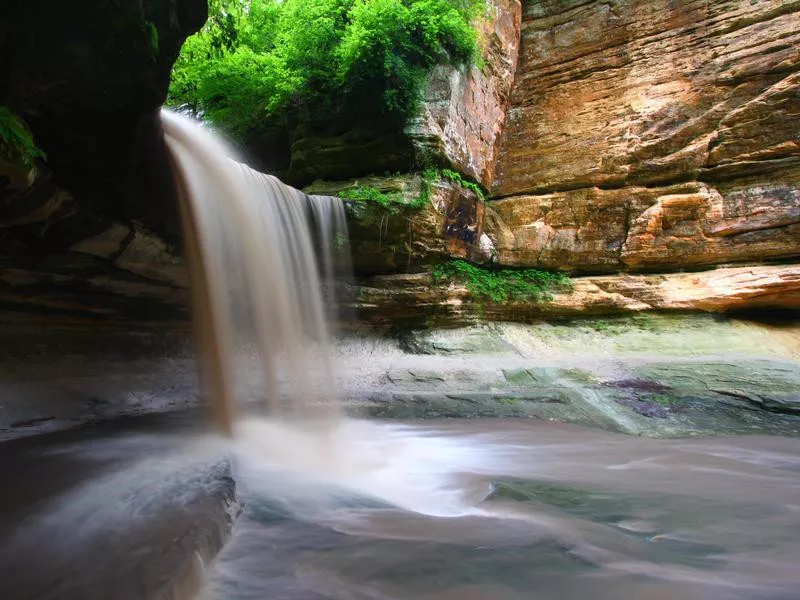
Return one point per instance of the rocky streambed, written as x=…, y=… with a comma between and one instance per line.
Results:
x=653, y=375
x=644, y=375
x=122, y=485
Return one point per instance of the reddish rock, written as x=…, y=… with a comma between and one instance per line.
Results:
x=641, y=228
x=651, y=91
x=653, y=136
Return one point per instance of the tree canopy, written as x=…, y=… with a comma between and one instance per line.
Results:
x=256, y=60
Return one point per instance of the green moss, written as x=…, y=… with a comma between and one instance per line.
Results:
x=366, y=193
x=17, y=146
x=663, y=400
x=393, y=202
x=457, y=178
x=502, y=285
x=151, y=35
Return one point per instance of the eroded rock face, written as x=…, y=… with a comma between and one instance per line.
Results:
x=652, y=135
x=650, y=228
x=464, y=111
x=385, y=300
x=648, y=91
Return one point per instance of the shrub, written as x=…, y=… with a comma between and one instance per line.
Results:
x=17, y=146
x=502, y=285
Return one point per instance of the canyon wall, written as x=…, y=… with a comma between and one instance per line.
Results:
x=615, y=137
x=652, y=135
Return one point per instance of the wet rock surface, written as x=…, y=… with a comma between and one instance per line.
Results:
x=125, y=511
x=60, y=376
x=655, y=376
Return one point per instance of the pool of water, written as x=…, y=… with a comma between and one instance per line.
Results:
x=450, y=509
x=506, y=510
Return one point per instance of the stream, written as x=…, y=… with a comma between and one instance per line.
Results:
x=493, y=509
x=436, y=509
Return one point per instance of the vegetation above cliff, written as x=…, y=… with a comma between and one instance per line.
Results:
x=502, y=285
x=263, y=60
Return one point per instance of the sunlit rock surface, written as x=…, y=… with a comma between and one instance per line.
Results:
x=464, y=110
x=413, y=301
x=652, y=135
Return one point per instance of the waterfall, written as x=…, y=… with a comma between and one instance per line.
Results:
x=258, y=253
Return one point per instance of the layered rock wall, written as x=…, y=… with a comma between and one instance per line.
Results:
x=652, y=135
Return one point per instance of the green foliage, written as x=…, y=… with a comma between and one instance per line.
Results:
x=457, y=178
x=257, y=60
x=393, y=202
x=502, y=285
x=17, y=146
x=366, y=193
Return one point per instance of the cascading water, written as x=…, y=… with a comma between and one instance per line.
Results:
x=261, y=254
x=255, y=275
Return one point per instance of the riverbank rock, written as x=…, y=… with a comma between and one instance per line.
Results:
x=95, y=514
x=414, y=301
x=645, y=375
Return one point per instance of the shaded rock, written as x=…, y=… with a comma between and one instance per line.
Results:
x=464, y=110
x=97, y=508
x=772, y=386
x=89, y=79
x=408, y=233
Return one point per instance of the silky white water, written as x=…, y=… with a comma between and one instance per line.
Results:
x=256, y=277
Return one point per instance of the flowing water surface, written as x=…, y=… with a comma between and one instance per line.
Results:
x=501, y=510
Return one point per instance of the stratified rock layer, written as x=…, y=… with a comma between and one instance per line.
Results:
x=650, y=228
x=651, y=135
x=413, y=301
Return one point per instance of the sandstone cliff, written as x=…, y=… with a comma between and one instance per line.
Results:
x=616, y=138
x=652, y=135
